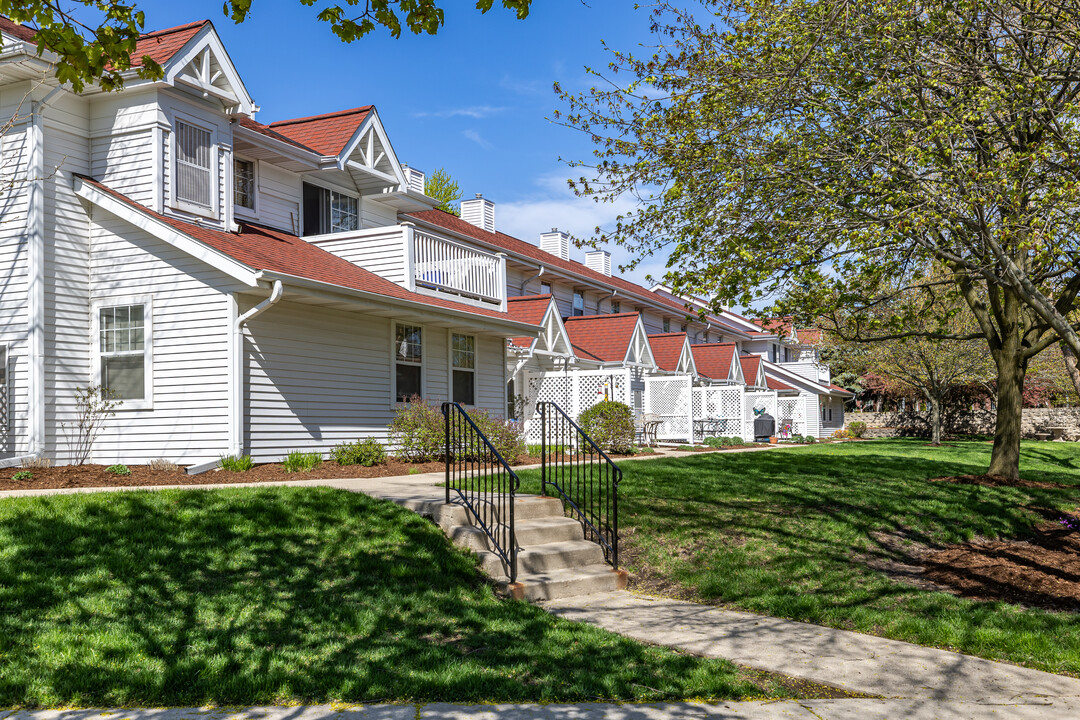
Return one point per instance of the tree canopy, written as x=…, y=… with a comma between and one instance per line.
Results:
x=832, y=155
x=100, y=50
x=440, y=186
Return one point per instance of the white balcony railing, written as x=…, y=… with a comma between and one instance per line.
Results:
x=442, y=264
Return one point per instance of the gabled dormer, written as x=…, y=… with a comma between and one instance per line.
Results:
x=541, y=310
x=718, y=362
x=611, y=340
x=673, y=354
x=753, y=370
x=202, y=66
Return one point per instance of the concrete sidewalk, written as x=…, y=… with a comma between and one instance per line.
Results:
x=756, y=710
x=848, y=660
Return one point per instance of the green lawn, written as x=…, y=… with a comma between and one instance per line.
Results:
x=253, y=596
x=787, y=532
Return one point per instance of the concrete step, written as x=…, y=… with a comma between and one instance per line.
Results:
x=545, y=558
x=530, y=533
x=568, y=582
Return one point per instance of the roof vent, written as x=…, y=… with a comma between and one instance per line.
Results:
x=599, y=261
x=556, y=242
x=414, y=179
x=479, y=212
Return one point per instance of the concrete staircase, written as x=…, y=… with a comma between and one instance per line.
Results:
x=553, y=559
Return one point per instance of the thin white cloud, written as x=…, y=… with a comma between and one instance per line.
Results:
x=476, y=112
x=520, y=86
x=477, y=138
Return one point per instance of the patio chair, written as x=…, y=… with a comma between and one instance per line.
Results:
x=650, y=424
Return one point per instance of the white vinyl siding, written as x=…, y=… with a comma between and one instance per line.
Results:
x=317, y=377
x=381, y=251
x=13, y=260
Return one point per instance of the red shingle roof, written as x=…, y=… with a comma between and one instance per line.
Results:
x=263, y=248
x=160, y=45
x=750, y=365
x=529, y=309
x=506, y=242
x=265, y=130
x=326, y=134
x=774, y=384
x=713, y=360
x=603, y=337
x=667, y=349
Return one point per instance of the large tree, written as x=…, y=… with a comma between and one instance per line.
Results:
x=95, y=43
x=836, y=155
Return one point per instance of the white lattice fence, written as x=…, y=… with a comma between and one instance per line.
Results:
x=721, y=409
x=670, y=399
x=757, y=400
x=574, y=392
x=791, y=412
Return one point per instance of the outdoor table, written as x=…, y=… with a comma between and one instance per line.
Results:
x=706, y=427
x=1057, y=432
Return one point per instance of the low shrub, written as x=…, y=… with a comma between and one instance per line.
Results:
x=164, y=465
x=715, y=442
x=36, y=463
x=299, y=461
x=367, y=452
x=810, y=439
x=610, y=424
x=118, y=470
x=506, y=436
x=23, y=475
x=237, y=464
x=418, y=431
x=856, y=429
x=840, y=434
x=798, y=439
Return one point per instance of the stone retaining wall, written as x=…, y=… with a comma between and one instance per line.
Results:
x=979, y=422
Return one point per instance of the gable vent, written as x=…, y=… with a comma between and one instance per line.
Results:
x=414, y=179
x=556, y=242
x=599, y=261
x=479, y=212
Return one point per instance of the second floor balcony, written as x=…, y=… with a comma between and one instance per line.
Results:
x=424, y=262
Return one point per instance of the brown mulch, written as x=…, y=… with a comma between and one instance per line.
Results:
x=1042, y=571
x=999, y=481
x=73, y=476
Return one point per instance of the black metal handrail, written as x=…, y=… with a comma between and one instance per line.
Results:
x=584, y=476
x=484, y=483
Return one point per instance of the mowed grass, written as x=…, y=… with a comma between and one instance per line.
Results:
x=282, y=595
x=795, y=532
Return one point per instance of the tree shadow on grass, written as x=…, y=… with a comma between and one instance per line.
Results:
x=285, y=594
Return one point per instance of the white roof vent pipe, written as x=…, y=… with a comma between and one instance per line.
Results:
x=599, y=261
x=414, y=179
x=479, y=212
x=556, y=242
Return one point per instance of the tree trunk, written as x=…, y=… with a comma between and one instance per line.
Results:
x=1011, y=369
x=935, y=421
x=1070, y=366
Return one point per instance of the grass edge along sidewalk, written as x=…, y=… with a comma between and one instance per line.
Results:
x=290, y=595
x=830, y=535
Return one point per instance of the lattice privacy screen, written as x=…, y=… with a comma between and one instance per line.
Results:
x=574, y=392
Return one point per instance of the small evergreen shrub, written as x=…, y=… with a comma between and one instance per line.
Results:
x=856, y=429
x=299, y=461
x=610, y=424
x=237, y=464
x=715, y=442
x=23, y=475
x=810, y=439
x=367, y=452
x=418, y=431
x=118, y=470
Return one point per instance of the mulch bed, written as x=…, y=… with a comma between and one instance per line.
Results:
x=1042, y=571
x=999, y=481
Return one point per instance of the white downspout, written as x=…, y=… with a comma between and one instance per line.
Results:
x=526, y=281
x=236, y=395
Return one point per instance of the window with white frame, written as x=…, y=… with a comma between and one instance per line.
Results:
x=244, y=183
x=408, y=362
x=463, y=367
x=194, y=165
x=328, y=211
x=667, y=325
x=578, y=307
x=123, y=349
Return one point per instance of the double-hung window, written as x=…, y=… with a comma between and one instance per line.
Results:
x=578, y=308
x=463, y=367
x=667, y=325
x=408, y=362
x=545, y=288
x=194, y=165
x=244, y=183
x=123, y=349
x=327, y=211
x=616, y=307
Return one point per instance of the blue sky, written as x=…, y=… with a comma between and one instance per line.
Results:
x=474, y=99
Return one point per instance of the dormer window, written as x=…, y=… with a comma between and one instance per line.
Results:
x=194, y=169
x=244, y=183
x=328, y=211
x=578, y=306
